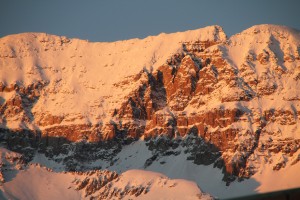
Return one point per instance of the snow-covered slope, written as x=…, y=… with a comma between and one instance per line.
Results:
x=196, y=101
x=137, y=184
x=207, y=177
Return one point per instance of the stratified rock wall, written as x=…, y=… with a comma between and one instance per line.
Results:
x=239, y=97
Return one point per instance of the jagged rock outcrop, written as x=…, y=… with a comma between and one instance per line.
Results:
x=94, y=181
x=110, y=185
x=9, y=161
x=239, y=97
x=193, y=80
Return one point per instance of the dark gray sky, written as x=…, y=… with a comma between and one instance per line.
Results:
x=110, y=20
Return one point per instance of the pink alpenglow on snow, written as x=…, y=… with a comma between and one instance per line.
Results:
x=105, y=118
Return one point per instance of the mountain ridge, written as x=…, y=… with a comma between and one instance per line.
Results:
x=217, y=28
x=232, y=104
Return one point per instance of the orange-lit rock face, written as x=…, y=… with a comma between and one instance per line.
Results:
x=234, y=94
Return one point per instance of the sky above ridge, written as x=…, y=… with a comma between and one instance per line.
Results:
x=111, y=20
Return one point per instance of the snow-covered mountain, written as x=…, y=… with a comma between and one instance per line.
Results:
x=192, y=105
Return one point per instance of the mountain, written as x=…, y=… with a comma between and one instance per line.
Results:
x=223, y=112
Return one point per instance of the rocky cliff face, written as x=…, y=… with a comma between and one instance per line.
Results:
x=233, y=103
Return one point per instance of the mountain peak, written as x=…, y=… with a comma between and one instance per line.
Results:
x=272, y=27
x=267, y=29
x=193, y=97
